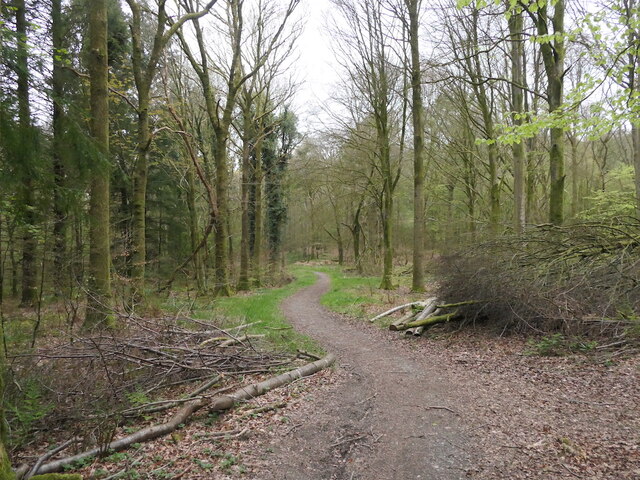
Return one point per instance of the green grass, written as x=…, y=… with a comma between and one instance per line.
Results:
x=349, y=294
x=353, y=295
x=263, y=305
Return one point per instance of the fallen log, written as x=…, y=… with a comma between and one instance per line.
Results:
x=403, y=320
x=429, y=308
x=398, y=326
x=427, y=322
x=223, y=402
x=418, y=331
x=398, y=308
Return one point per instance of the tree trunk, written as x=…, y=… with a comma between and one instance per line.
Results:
x=29, y=240
x=139, y=199
x=5, y=466
x=386, y=282
x=193, y=227
x=517, y=100
x=221, y=236
x=417, y=282
x=60, y=260
x=574, y=175
x=99, y=282
x=553, y=54
x=635, y=135
x=256, y=263
x=243, y=278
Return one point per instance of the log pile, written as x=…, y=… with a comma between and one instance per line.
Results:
x=421, y=315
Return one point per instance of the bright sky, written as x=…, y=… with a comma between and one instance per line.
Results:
x=317, y=66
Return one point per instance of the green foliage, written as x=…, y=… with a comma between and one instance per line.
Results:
x=117, y=457
x=206, y=466
x=617, y=201
x=550, y=346
x=228, y=461
x=79, y=463
x=137, y=398
x=263, y=305
x=27, y=411
x=557, y=345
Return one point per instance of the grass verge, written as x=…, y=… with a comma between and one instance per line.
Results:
x=359, y=296
x=263, y=306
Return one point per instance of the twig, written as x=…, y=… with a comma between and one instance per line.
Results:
x=348, y=440
x=570, y=471
x=438, y=407
x=304, y=354
x=367, y=399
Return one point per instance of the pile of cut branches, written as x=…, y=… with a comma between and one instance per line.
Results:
x=88, y=384
x=577, y=279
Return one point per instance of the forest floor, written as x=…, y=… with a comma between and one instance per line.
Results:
x=454, y=405
x=461, y=406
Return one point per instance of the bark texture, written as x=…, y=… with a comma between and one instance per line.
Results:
x=417, y=283
x=99, y=282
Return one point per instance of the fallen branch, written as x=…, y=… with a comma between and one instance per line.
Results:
x=461, y=304
x=428, y=309
x=403, y=320
x=398, y=308
x=427, y=322
x=223, y=402
x=233, y=341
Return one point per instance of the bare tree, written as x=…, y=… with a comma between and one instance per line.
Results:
x=221, y=103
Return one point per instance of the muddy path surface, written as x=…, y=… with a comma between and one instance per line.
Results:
x=392, y=416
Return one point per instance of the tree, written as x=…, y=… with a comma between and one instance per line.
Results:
x=26, y=160
x=516, y=26
x=551, y=36
x=417, y=112
x=275, y=167
x=144, y=71
x=374, y=77
x=99, y=282
x=220, y=106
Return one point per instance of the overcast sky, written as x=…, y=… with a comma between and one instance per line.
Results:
x=316, y=63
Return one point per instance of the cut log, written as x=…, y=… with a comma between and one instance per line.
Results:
x=429, y=308
x=418, y=331
x=409, y=332
x=401, y=321
x=398, y=326
x=223, y=402
x=396, y=309
x=427, y=322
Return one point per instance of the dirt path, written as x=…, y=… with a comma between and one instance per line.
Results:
x=378, y=422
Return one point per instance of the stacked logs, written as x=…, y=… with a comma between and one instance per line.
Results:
x=422, y=315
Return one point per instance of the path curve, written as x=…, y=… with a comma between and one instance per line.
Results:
x=376, y=424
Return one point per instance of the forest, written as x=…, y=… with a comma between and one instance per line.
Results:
x=168, y=176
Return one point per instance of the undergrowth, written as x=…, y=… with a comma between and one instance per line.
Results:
x=579, y=281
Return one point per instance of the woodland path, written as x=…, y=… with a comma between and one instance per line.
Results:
x=376, y=424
